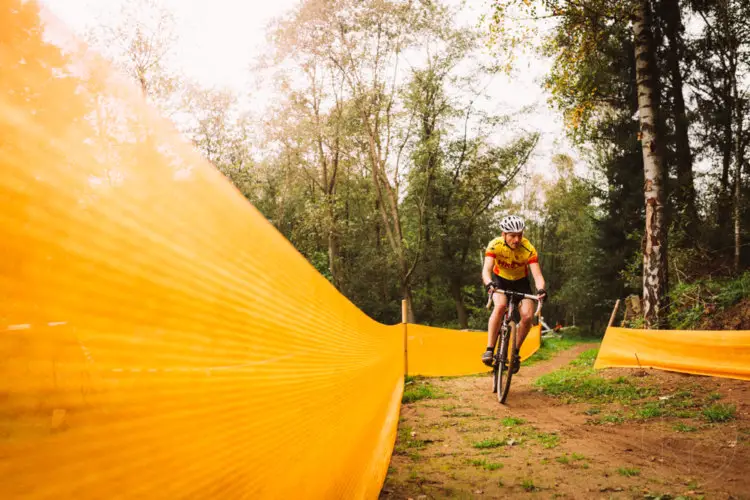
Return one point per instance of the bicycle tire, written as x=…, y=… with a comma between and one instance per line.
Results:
x=502, y=354
x=496, y=361
x=504, y=389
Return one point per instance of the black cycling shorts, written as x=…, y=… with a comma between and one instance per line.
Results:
x=521, y=286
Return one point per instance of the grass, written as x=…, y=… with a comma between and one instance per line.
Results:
x=579, y=382
x=406, y=444
x=512, y=421
x=563, y=459
x=416, y=390
x=682, y=427
x=551, y=346
x=628, y=472
x=689, y=300
x=651, y=410
x=488, y=443
x=485, y=464
x=615, y=418
x=548, y=440
x=528, y=485
x=719, y=412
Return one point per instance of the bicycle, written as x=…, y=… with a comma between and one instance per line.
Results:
x=501, y=362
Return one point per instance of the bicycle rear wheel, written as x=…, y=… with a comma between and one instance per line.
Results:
x=503, y=383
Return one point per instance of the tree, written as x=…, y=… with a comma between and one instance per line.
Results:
x=584, y=26
x=722, y=62
x=140, y=42
x=655, y=284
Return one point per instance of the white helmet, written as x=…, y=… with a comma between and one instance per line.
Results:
x=512, y=224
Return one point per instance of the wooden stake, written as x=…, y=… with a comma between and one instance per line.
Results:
x=404, y=320
x=614, y=312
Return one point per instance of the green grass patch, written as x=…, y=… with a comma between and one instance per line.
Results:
x=586, y=358
x=719, y=412
x=614, y=418
x=528, y=485
x=551, y=346
x=548, y=440
x=594, y=410
x=488, y=443
x=484, y=464
x=563, y=459
x=689, y=300
x=651, y=410
x=577, y=456
x=628, y=472
x=579, y=382
x=682, y=427
x=714, y=396
x=406, y=444
x=416, y=390
x=512, y=421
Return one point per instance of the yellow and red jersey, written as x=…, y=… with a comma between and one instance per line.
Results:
x=511, y=264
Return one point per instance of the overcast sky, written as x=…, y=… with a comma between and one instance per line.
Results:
x=218, y=40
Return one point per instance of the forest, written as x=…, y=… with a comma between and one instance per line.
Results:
x=378, y=158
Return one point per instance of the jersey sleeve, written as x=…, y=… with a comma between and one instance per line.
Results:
x=490, y=250
x=533, y=256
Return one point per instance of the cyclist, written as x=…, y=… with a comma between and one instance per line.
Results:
x=506, y=266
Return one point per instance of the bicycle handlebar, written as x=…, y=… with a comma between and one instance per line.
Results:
x=517, y=294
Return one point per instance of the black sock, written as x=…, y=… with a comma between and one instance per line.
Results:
x=491, y=348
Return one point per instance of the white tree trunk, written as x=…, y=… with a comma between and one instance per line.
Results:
x=655, y=284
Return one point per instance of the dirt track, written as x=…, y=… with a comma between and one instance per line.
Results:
x=556, y=452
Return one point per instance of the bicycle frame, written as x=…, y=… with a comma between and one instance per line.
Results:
x=504, y=338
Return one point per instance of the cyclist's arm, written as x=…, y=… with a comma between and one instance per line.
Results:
x=489, y=262
x=536, y=272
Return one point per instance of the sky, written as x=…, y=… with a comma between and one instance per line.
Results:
x=219, y=40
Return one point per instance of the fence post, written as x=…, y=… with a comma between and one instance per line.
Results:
x=614, y=312
x=404, y=321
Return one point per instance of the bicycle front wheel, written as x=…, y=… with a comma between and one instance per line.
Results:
x=503, y=383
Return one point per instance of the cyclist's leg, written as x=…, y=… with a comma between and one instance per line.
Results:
x=526, y=311
x=500, y=302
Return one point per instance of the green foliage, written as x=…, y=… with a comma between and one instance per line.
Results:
x=691, y=301
x=579, y=382
x=682, y=427
x=528, y=485
x=485, y=464
x=420, y=390
x=551, y=346
x=489, y=443
x=629, y=471
x=512, y=421
x=720, y=412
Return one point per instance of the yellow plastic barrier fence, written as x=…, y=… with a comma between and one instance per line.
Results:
x=158, y=337
x=441, y=352
x=714, y=353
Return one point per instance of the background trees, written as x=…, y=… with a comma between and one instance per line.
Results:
x=378, y=161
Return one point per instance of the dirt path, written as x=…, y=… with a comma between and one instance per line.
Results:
x=465, y=445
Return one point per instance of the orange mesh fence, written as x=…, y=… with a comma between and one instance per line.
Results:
x=159, y=338
x=714, y=353
x=441, y=352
